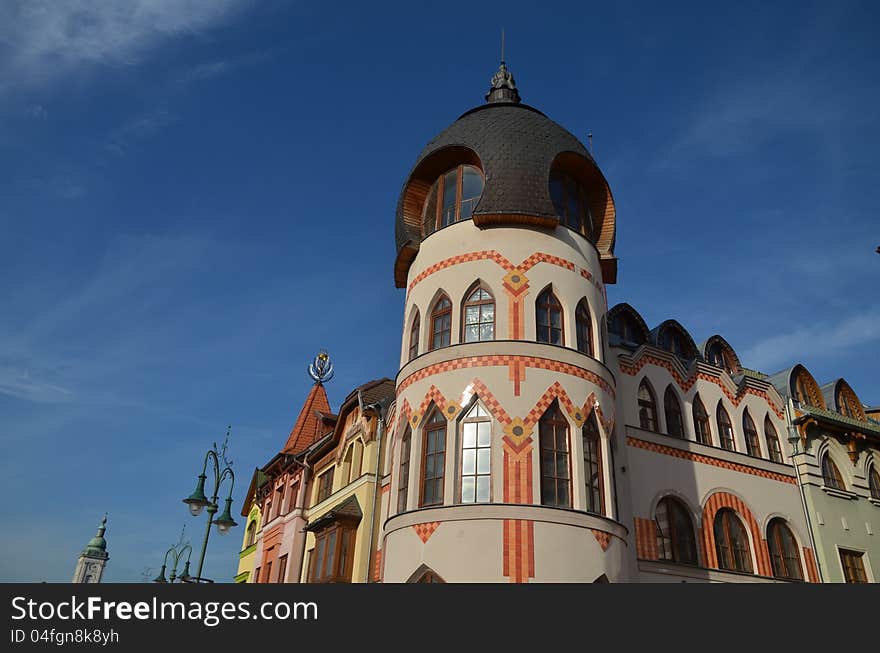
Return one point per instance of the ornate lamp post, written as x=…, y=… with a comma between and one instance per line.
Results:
x=176, y=552
x=198, y=500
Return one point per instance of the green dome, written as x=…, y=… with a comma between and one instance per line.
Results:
x=97, y=546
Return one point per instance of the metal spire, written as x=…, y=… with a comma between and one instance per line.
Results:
x=503, y=88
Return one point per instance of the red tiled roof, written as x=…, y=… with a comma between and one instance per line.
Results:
x=310, y=424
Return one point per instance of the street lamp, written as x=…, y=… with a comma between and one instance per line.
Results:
x=197, y=501
x=176, y=554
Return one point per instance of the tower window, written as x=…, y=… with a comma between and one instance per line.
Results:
x=476, y=451
x=441, y=323
x=479, y=316
x=414, y=337
x=570, y=202
x=549, y=318
x=584, y=325
x=555, y=465
x=452, y=197
x=433, y=460
x=593, y=465
x=403, y=470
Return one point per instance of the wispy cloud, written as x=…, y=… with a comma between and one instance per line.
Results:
x=211, y=69
x=138, y=128
x=815, y=341
x=41, y=39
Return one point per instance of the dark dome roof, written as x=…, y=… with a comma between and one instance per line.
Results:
x=515, y=145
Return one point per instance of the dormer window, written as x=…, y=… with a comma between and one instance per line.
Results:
x=452, y=197
x=570, y=202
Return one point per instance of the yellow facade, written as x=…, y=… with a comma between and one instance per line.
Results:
x=353, y=463
x=248, y=557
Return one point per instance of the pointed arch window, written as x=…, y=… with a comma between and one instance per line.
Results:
x=675, y=532
x=479, y=316
x=433, y=459
x=701, y=422
x=452, y=197
x=584, y=328
x=753, y=445
x=874, y=482
x=647, y=407
x=403, y=470
x=555, y=462
x=414, y=337
x=441, y=323
x=725, y=428
x=784, y=558
x=549, y=318
x=773, y=448
x=672, y=408
x=830, y=474
x=476, y=452
x=593, y=465
x=731, y=542
x=571, y=203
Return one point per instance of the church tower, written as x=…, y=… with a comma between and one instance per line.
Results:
x=93, y=559
x=501, y=461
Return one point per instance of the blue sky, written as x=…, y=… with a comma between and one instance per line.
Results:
x=196, y=196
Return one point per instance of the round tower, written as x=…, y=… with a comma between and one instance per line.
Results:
x=501, y=460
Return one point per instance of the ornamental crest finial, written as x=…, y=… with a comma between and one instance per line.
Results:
x=321, y=369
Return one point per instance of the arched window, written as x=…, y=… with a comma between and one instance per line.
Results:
x=452, y=197
x=874, y=482
x=549, y=318
x=731, y=542
x=403, y=470
x=593, y=465
x=647, y=407
x=773, y=448
x=476, y=454
x=584, y=328
x=675, y=532
x=251, y=533
x=784, y=557
x=672, y=408
x=433, y=460
x=701, y=422
x=830, y=474
x=441, y=323
x=571, y=203
x=555, y=464
x=725, y=428
x=414, y=337
x=479, y=316
x=753, y=446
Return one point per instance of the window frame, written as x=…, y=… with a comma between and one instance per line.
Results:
x=282, y=569
x=403, y=470
x=594, y=495
x=831, y=476
x=324, y=485
x=555, y=417
x=750, y=431
x=873, y=481
x=545, y=304
x=431, y=425
x=571, y=186
x=861, y=571
x=701, y=419
x=487, y=419
x=478, y=303
x=670, y=398
x=781, y=556
x=343, y=532
x=646, y=405
x=721, y=411
x=437, y=314
x=440, y=186
x=774, y=450
x=583, y=321
x=678, y=538
x=727, y=543
x=415, y=325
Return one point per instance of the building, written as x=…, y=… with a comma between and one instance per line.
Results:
x=247, y=557
x=93, y=559
x=532, y=434
x=837, y=447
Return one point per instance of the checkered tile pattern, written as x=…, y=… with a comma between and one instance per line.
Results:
x=726, y=500
x=426, y=530
x=709, y=460
x=505, y=360
x=603, y=538
x=686, y=384
x=490, y=402
x=812, y=572
x=541, y=257
x=377, y=566
x=488, y=254
x=646, y=539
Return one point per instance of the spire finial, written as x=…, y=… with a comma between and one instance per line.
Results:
x=321, y=369
x=503, y=88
